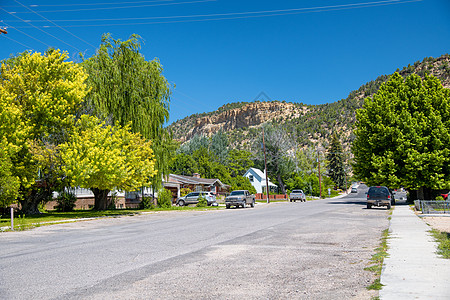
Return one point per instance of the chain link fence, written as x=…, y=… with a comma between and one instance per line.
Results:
x=432, y=207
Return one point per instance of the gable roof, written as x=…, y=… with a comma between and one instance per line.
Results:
x=194, y=180
x=260, y=174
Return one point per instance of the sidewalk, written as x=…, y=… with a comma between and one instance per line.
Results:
x=413, y=270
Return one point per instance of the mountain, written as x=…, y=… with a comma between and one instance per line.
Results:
x=307, y=124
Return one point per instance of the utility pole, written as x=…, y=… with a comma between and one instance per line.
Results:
x=265, y=167
x=320, y=176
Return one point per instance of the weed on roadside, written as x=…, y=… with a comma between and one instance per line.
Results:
x=443, y=240
x=377, y=261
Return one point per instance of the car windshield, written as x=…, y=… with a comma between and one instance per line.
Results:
x=378, y=191
x=297, y=191
x=237, y=193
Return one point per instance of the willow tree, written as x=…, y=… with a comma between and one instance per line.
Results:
x=125, y=87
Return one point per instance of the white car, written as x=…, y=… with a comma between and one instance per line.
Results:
x=297, y=195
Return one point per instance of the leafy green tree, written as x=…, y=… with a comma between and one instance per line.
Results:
x=336, y=162
x=241, y=183
x=239, y=161
x=278, y=146
x=9, y=184
x=104, y=157
x=402, y=135
x=219, y=146
x=127, y=88
x=183, y=164
x=39, y=95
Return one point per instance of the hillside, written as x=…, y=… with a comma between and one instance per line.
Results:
x=308, y=124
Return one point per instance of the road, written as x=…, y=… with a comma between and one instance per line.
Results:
x=312, y=250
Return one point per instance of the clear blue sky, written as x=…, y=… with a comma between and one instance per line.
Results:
x=224, y=51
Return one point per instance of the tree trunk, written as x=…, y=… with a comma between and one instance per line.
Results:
x=280, y=182
x=29, y=205
x=101, y=199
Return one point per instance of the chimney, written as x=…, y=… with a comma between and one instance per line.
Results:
x=196, y=175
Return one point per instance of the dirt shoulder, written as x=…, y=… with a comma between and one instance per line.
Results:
x=439, y=223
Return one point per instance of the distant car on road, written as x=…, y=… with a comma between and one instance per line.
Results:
x=192, y=198
x=240, y=198
x=297, y=195
x=379, y=196
x=354, y=189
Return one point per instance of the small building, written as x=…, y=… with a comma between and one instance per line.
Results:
x=196, y=183
x=258, y=180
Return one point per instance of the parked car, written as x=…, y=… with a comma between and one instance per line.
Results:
x=192, y=198
x=297, y=195
x=379, y=196
x=240, y=198
x=354, y=189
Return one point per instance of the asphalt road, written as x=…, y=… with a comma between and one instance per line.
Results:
x=312, y=250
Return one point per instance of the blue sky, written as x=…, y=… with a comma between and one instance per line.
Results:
x=222, y=51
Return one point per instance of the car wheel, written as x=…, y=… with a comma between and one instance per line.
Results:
x=181, y=203
x=252, y=204
x=369, y=206
x=243, y=205
x=227, y=206
x=389, y=206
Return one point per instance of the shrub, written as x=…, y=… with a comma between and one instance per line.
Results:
x=66, y=201
x=185, y=191
x=165, y=198
x=440, y=198
x=202, y=202
x=147, y=203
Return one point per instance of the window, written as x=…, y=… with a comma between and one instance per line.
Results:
x=251, y=178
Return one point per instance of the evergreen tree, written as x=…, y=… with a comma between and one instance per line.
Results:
x=336, y=162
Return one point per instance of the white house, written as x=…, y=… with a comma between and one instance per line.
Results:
x=258, y=180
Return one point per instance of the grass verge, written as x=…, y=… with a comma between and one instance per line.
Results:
x=443, y=240
x=23, y=222
x=377, y=261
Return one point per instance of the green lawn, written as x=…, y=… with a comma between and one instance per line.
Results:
x=22, y=222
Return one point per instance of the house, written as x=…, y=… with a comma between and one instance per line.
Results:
x=196, y=183
x=258, y=180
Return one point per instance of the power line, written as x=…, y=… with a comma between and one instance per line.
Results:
x=42, y=30
x=90, y=4
x=239, y=15
x=118, y=7
x=27, y=35
x=55, y=24
x=18, y=42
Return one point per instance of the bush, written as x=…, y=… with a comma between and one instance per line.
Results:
x=66, y=201
x=165, y=198
x=147, y=203
x=440, y=198
x=185, y=191
x=202, y=202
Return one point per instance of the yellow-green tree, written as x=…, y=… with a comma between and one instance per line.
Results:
x=39, y=95
x=9, y=184
x=104, y=157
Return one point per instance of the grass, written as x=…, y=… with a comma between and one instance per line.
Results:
x=377, y=261
x=443, y=240
x=23, y=222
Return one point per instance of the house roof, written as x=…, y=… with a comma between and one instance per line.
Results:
x=260, y=174
x=194, y=180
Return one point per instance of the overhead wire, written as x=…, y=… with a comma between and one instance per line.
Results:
x=26, y=46
x=119, y=7
x=237, y=15
x=56, y=24
x=24, y=33
x=91, y=4
x=42, y=30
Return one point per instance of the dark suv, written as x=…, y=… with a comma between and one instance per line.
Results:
x=379, y=196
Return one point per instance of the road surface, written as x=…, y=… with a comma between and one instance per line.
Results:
x=312, y=250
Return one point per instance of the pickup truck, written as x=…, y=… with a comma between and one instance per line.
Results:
x=240, y=198
x=297, y=195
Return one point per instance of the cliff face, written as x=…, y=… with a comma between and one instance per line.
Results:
x=251, y=114
x=308, y=124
